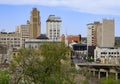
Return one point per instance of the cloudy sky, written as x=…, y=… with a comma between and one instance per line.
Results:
x=75, y=14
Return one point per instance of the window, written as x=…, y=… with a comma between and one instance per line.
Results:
x=29, y=46
x=34, y=19
x=117, y=52
x=35, y=46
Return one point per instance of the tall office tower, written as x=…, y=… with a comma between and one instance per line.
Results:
x=98, y=30
x=53, y=25
x=101, y=34
x=35, y=24
x=107, y=33
x=24, y=31
x=91, y=40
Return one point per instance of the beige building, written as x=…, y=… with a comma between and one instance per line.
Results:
x=101, y=34
x=35, y=24
x=31, y=29
x=24, y=31
x=98, y=27
x=107, y=55
x=9, y=42
x=107, y=33
x=53, y=27
x=11, y=39
x=91, y=35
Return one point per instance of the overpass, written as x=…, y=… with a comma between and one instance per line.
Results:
x=101, y=70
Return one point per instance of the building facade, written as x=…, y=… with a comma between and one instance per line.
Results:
x=71, y=38
x=108, y=38
x=79, y=53
x=24, y=31
x=101, y=34
x=35, y=43
x=11, y=39
x=53, y=27
x=91, y=40
x=35, y=24
x=8, y=42
x=107, y=55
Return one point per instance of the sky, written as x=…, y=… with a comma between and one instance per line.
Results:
x=75, y=14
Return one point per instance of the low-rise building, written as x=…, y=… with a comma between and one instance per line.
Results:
x=11, y=39
x=107, y=55
x=71, y=38
x=35, y=43
x=79, y=53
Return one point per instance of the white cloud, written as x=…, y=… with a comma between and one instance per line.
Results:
x=111, y=7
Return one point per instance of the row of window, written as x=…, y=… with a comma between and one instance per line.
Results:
x=30, y=46
x=79, y=53
x=54, y=30
x=9, y=38
x=54, y=33
x=54, y=38
x=110, y=52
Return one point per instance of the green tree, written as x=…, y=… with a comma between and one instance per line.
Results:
x=4, y=77
x=47, y=65
x=108, y=81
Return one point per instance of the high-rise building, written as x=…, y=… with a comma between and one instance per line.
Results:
x=107, y=33
x=35, y=24
x=101, y=34
x=91, y=35
x=24, y=31
x=98, y=32
x=53, y=26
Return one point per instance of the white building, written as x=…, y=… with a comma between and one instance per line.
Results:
x=35, y=43
x=107, y=55
x=90, y=34
x=53, y=27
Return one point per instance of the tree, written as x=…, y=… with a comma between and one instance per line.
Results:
x=47, y=65
x=4, y=77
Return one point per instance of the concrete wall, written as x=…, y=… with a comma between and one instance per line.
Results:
x=108, y=33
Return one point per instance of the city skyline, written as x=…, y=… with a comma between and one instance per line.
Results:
x=74, y=15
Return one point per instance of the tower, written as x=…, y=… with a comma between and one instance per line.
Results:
x=107, y=33
x=91, y=40
x=24, y=31
x=101, y=34
x=35, y=24
x=53, y=26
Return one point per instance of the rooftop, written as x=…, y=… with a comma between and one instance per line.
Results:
x=42, y=36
